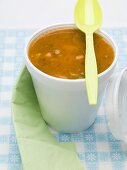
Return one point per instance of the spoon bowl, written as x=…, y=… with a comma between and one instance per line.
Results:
x=88, y=15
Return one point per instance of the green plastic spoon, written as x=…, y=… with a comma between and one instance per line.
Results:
x=88, y=18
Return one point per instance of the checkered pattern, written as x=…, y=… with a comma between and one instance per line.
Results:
x=96, y=146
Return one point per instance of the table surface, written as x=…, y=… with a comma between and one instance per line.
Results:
x=96, y=147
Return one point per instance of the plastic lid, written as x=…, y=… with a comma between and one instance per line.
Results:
x=116, y=105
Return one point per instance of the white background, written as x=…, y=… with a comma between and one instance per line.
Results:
x=39, y=13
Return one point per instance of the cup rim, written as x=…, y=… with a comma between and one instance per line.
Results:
x=51, y=28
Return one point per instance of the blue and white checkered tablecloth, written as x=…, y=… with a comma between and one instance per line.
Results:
x=96, y=147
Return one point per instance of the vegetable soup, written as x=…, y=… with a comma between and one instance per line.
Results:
x=61, y=53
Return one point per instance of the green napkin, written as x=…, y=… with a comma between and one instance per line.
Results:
x=38, y=148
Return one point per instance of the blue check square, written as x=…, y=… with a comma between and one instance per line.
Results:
x=14, y=159
x=117, y=156
x=91, y=156
x=65, y=137
x=12, y=139
x=89, y=137
x=115, y=146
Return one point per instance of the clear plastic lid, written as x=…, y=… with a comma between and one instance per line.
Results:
x=116, y=105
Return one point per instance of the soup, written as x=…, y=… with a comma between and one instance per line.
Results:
x=61, y=53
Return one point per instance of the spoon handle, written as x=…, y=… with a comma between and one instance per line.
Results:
x=91, y=70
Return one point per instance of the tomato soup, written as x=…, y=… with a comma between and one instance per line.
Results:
x=61, y=53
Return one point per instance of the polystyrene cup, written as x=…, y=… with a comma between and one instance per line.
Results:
x=63, y=102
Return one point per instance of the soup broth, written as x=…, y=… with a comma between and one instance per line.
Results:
x=61, y=53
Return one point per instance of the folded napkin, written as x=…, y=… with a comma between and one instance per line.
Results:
x=38, y=148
